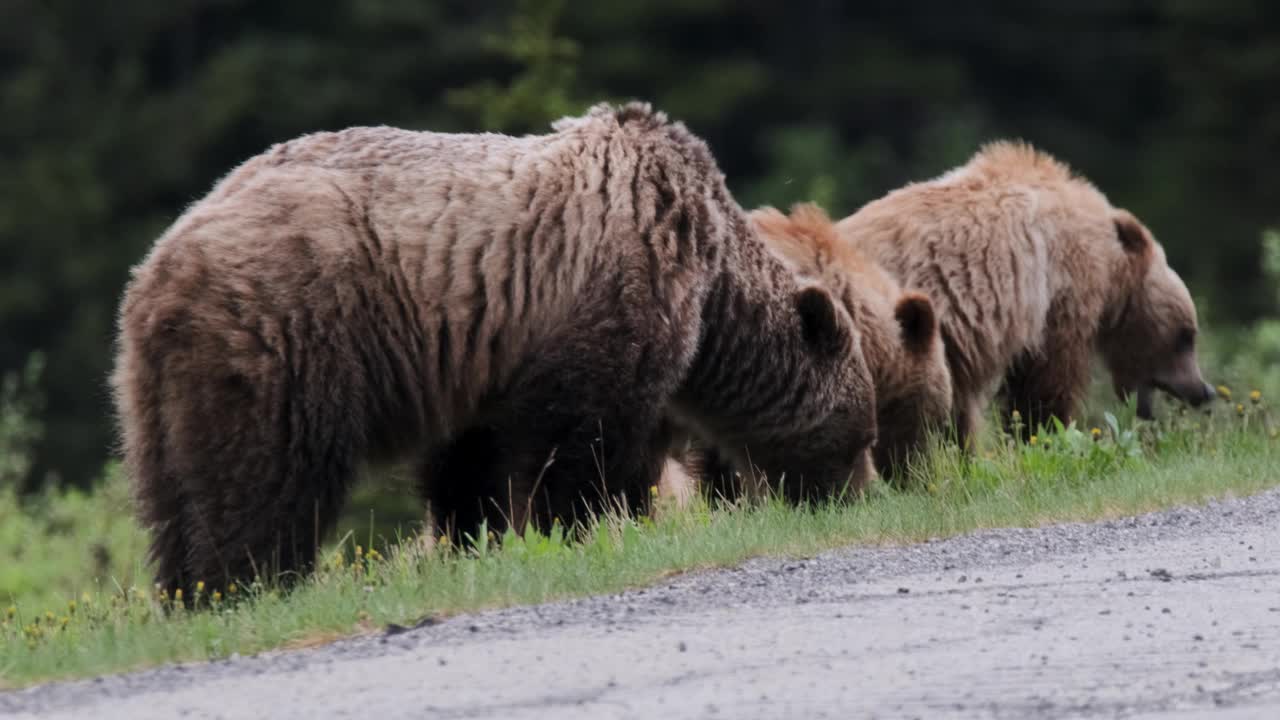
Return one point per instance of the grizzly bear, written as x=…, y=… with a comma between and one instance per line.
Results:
x=1032, y=270
x=539, y=306
x=900, y=342
x=900, y=336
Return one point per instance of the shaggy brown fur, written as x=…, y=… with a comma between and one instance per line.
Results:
x=899, y=337
x=521, y=314
x=1031, y=270
x=899, y=332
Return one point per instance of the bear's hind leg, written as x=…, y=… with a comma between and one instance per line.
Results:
x=1042, y=386
x=139, y=406
x=966, y=414
x=260, y=451
x=262, y=498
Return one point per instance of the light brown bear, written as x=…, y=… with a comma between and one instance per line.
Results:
x=900, y=342
x=1031, y=270
x=521, y=315
x=898, y=329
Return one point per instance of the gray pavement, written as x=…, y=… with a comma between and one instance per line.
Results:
x=1169, y=615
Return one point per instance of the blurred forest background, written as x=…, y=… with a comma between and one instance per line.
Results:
x=117, y=115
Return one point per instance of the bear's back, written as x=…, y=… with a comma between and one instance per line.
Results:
x=993, y=243
x=462, y=252
x=974, y=250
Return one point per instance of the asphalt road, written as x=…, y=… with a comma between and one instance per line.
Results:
x=1171, y=615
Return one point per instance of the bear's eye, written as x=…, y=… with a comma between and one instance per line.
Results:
x=1186, y=340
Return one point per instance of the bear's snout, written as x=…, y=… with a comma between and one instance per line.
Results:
x=1194, y=393
x=1208, y=391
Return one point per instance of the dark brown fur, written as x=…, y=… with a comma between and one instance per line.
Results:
x=521, y=314
x=898, y=330
x=900, y=342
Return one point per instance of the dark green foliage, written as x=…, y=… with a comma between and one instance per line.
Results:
x=116, y=115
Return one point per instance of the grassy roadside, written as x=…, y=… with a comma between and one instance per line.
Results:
x=1067, y=474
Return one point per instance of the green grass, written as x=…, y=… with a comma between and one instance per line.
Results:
x=80, y=604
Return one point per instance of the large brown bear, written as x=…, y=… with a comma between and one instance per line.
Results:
x=900, y=342
x=1031, y=270
x=542, y=303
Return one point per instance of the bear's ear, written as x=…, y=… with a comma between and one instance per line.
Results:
x=919, y=323
x=1133, y=236
x=824, y=329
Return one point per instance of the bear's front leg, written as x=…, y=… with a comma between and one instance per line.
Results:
x=579, y=428
x=553, y=455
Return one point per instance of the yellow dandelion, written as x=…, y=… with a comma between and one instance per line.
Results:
x=217, y=596
x=1225, y=392
x=932, y=488
x=1096, y=433
x=85, y=599
x=444, y=539
x=231, y=589
x=71, y=607
x=1255, y=397
x=199, y=586
x=177, y=595
x=653, y=490
x=63, y=622
x=1016, y=416
x=359, y=551
x=49, y=617
x=1034, y=440
x=1239, y=408
x=9, y=613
